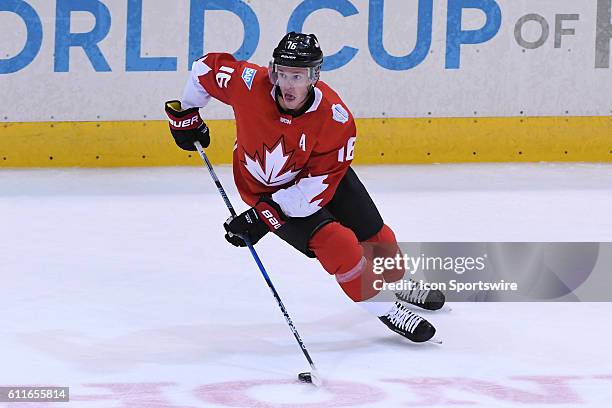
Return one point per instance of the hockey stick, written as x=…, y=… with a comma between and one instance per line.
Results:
x=314, y=375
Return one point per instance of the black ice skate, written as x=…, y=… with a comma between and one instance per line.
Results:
x=423, y=298
x=410, y=325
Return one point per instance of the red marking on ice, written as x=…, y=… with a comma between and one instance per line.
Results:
x=431, y=391
x=133, y=395
x=235, y=394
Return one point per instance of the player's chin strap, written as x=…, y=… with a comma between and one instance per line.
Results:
x=316, y=380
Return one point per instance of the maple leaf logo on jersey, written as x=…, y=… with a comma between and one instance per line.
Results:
x=269, y=171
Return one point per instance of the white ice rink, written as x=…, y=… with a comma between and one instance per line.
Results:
x=119, y=284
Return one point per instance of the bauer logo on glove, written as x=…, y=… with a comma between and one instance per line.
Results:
x=254, y=223
x=186, y=126
x=186, y=123
x=272, y=221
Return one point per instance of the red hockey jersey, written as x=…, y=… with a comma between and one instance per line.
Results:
x=298, y=160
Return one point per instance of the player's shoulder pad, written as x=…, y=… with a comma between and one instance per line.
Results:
x=332, y=107
x=337, y=122
x=214, y=59
x=219, y=63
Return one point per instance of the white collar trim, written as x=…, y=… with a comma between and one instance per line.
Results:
x=317, y=100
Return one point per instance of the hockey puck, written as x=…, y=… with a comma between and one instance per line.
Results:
x=305, y=377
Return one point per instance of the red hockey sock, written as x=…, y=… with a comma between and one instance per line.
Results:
x=336, y=247
x=340, y=254
x=384, y=244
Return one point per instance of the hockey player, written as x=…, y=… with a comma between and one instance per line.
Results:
x=291, y=163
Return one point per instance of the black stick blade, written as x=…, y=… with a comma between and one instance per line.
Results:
x=305, y=377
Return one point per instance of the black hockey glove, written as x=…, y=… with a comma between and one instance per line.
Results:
x=187, y=126
x=254, y=223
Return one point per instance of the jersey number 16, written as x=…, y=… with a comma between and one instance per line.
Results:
x=347, y=153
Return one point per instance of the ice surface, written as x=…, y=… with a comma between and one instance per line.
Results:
x=119, y=284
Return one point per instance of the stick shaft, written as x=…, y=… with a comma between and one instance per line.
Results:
x=262, y=269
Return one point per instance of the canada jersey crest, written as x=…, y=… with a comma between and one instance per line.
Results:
x=273, y=167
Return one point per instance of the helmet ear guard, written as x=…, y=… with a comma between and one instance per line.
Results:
x=314, y=73
x=272, y=74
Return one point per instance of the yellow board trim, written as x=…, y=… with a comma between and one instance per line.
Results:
x=379, y=141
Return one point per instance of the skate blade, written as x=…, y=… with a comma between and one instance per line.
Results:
x=435, y=340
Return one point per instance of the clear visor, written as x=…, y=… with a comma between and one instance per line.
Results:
x=291, y=76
